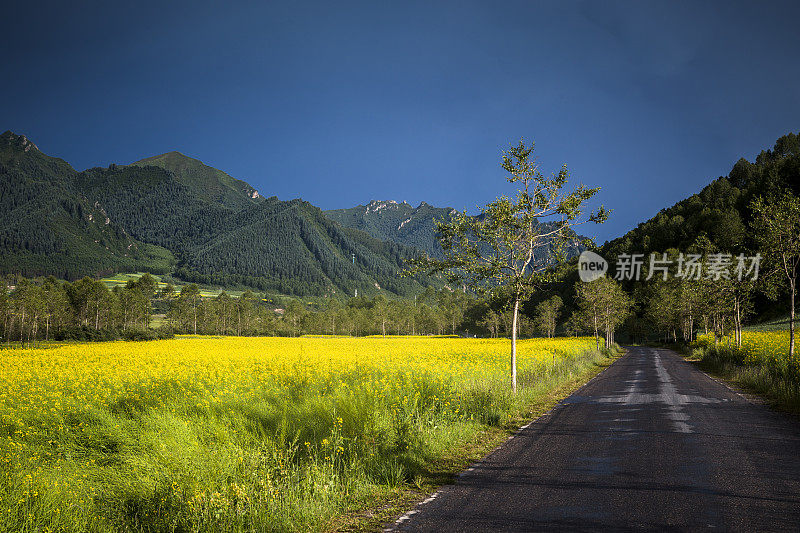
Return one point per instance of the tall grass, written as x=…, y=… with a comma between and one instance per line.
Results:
x=241, y=450
x=762, y=365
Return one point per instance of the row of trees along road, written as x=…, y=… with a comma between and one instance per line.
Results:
x=720, y=306
x=753, y=211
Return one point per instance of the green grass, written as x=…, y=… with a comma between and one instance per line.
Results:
x=780, y=387
x=206, y=292
x=310, y=454
x=777, y=324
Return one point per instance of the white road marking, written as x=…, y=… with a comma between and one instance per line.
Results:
x=667, y=395
x=411, y=513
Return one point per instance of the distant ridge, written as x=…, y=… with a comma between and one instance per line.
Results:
x=209, y=184
x=173, y=213
x=404, y=224
x=389, y=220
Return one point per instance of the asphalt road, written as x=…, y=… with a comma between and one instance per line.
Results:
x=651, y=443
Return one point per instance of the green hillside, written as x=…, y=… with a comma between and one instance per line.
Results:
x=48, y=227
x=396, y=222
x=182, y=217
x=314, y=255
x=154, y=206
x=207, y=183
x=288, y=247
x=720, y=211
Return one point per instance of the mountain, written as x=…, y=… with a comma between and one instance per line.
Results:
x=396, y=222
x=178, y=215
x=721, y=210
x=47, y=226
x=288, y=247
x=407, y=225
x=207, y=183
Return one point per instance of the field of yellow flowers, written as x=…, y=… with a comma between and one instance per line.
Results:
x=761, y=363
x=768, y=348
x=231, y=434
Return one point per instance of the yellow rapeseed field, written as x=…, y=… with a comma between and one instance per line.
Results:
x=761, y=364
x=237, y=433
x=770, y=348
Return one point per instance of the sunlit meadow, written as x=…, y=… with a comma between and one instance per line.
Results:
x=241, y=434
x=762, y=363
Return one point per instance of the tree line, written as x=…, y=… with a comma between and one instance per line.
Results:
x=33, y=310
x=82, y=310
x=755, y=212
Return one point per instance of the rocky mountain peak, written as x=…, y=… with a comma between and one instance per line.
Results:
x=376, y=206
x=20, y=141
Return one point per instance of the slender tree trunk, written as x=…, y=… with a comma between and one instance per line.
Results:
x=791, y=318
x=514, y=347
x=596, y=336
x=738, y=324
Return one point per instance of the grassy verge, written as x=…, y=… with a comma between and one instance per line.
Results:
x=460, y=448
x=777, y=381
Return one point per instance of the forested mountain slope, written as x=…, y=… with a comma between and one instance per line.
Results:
x=194, y=220
x=396, y=222
x=47, y=226
x=207, y=183
x=721, y=211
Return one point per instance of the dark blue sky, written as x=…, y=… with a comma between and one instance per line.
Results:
x=343, y=102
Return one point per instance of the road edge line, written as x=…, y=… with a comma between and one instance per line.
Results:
x=393, y=527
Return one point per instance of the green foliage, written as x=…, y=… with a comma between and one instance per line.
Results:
x=777, y=378
x=498, y=248
x=502, y=247
x=47, y=226
x=206, y=183
x=603, y=305
x=547, y=314
x=85, y=310
x=172, y=213
x=777, y=226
